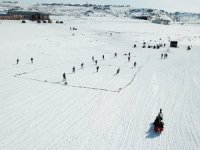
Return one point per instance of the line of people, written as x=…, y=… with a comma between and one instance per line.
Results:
x=164, y=55
x=18, y=61
x=156, y=46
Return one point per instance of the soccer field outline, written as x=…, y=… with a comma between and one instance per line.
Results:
x=20, y=75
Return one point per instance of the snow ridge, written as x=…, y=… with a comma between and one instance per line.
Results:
x=92, y=10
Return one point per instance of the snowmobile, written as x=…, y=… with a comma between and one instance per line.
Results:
x=158, y=123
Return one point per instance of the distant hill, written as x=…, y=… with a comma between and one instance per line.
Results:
x=86, y=10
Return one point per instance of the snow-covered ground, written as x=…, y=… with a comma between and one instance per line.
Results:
x=98, y=111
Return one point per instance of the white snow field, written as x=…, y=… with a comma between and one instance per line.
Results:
x=98, y=111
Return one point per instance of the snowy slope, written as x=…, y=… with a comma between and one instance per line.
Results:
x=188, y=17
x=98, y=110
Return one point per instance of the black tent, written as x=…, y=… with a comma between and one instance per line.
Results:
x=174, y=44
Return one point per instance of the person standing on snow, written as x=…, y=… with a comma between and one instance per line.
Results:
x=17, y=60
x=118, y=70
x=96, y=62
x=129, y=58
x=32, y=60
x=115, y=55
x=165, y=55
x=103, y=57
x=97, y=68
x=64, y=77
x=82, y=65
x=135, y=64
x=73, y=70
x=162, y=56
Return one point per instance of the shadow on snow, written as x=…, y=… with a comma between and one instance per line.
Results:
x=151, y=133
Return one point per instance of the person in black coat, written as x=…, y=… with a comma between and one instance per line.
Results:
x=161, y=55
x=17, y=61
x=115, y=55
x=103, y=57
x=32, y=60
x=129, y=58
x=96, y=62
x=135, y=64
x=73, y=70
x=82, y=65
x=97, y=68
x=64, y=77
x=118, y=70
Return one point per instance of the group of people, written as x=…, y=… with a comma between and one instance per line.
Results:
x=164, y=55
x=73, y=28
x=97, y=67
x=18, y=61
x=157, y=46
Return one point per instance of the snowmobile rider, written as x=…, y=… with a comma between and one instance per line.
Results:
x=160, y=114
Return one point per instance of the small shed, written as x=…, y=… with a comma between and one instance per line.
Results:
x=174, y=44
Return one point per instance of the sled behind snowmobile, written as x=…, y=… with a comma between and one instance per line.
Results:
x=158, y=129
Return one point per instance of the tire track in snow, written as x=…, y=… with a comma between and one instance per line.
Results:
x=49, y=122
x=189, y=117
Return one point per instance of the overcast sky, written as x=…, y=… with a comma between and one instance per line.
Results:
x=170, y=5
